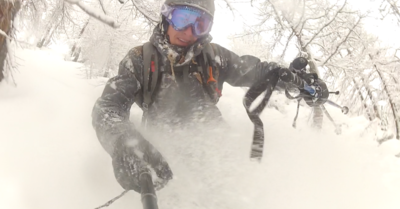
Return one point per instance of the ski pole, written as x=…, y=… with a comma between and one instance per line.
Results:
x=344, y=109
x=297, y=114
x=149, y=197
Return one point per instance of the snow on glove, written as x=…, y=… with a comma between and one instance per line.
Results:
x=131, y=156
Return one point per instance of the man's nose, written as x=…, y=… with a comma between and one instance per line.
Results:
x=188, y=31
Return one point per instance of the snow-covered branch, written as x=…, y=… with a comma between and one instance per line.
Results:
x=103, y=18
x=228, y=4
x=344, y=40
x=4, y=34
x=326, y=25
x=144, y=12
x=102, y=6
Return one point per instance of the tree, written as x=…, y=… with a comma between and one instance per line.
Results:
x=102, y=47
x=390, y=8
x=320, y=30
x=60, y=20
x=8, y=11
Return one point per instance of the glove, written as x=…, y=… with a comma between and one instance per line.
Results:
x=131, y=156
x=318, y=92
x=312, y=84
x=314, y=90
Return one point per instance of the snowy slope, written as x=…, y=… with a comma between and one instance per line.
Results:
x=50, y=157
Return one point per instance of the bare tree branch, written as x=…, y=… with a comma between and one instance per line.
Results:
x=102, y=6
x=328, y=23
x=103, y=18
x=4, y=34
x=230, y=7
x=343, y=41
x=302, y=14
x=144, y=13
x=287, y=44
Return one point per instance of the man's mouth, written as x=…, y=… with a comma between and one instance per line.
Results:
x=184, y=41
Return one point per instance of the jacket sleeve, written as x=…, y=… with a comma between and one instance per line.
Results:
x=110, y=115
x=239, y=70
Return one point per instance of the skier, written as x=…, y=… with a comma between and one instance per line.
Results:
x=176, y=79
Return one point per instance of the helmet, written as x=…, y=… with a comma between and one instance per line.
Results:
x=205, y=5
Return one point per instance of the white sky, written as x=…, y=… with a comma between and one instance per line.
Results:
x=226, y=24
x=387, y=30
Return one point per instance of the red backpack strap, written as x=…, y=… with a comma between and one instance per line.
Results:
x=150, y=77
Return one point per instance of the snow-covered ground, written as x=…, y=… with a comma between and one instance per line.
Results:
x=50, y=157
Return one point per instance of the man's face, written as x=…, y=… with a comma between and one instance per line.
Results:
x=181, y=38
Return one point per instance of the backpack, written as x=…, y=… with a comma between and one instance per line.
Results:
x=151, y=78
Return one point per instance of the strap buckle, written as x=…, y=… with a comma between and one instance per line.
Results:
x=145, y=106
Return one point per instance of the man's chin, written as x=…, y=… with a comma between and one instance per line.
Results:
x=182, y=44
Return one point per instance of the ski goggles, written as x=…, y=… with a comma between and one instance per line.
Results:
x=181, y=17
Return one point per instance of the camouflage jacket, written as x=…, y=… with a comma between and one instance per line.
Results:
x=182, y=103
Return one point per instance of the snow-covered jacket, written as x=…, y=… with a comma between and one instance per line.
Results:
x=180, y=100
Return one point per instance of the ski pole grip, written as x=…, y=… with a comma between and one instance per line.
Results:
x=149, y=197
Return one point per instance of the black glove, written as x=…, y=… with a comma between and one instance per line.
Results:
x=132, y=155
x=317, y=91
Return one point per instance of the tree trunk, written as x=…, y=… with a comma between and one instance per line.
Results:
x=8, y=11
x=318, y=116
x=45, y=40
x=76, y=50
x=391, y=102
x=363, y=101
x=3, y=55
x=373, y=102
x=358, y=89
